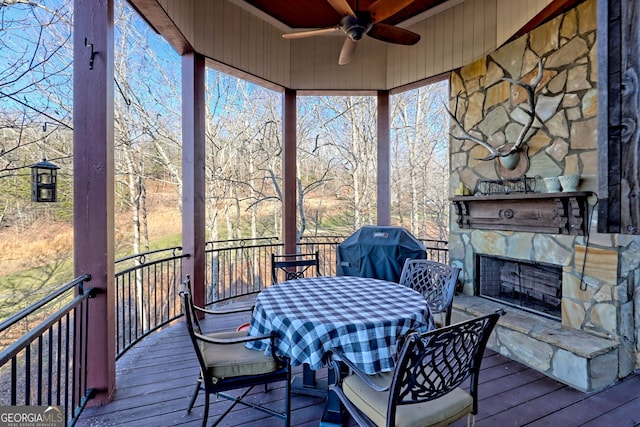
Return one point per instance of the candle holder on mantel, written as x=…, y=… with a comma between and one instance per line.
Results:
x=569, y=183
x=523, y=184
x=552, y=183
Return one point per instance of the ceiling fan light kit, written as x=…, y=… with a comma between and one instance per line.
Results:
x=364, y=22
x=354, y=27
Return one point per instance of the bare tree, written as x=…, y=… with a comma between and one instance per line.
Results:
x=35, y=77
x=145, y=113
x=420, y=167
x=146, y=93
x=224, y=150
x=346, y=129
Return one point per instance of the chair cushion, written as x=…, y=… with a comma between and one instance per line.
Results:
x=438, y=412
x=234, y=360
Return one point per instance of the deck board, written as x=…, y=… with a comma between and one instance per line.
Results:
x=621, y=402
x=156, y=378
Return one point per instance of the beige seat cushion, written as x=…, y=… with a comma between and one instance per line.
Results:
x=438, y=412
x=234, y=360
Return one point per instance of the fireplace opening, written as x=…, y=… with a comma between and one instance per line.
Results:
x=530, y=286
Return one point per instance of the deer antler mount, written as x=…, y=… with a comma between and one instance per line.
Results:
x=510, y=154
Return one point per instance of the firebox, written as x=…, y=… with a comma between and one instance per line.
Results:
x=535, y=287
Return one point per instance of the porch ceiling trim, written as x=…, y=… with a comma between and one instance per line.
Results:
x=158, y=19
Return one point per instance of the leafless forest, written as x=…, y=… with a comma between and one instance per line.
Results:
x=336, y=151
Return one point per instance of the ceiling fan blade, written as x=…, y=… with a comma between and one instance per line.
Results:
x=311, y=33
x=348, y=49
x=390, y=34
x=382, y=9
x=342, y=7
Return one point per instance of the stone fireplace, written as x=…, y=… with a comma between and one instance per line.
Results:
x=533, y=287
x=575, y=318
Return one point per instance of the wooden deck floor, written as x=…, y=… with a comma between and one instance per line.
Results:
x=156, y=378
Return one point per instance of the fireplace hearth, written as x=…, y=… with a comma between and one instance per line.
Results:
x=530, y=286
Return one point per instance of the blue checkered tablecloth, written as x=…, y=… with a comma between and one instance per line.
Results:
x=362, y=317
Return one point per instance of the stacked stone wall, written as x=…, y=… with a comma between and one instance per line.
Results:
x=599, y=270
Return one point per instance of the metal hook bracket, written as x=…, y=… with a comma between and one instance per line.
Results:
x=93, y=53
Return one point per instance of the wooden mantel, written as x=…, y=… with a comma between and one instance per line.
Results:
x=556, y=213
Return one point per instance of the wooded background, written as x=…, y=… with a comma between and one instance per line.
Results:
x=336, y=151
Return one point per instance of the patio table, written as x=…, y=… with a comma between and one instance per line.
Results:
x=363, y=317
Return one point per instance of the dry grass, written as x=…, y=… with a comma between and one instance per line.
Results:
x=32, y=247
x=21, y=250
x=24, y=250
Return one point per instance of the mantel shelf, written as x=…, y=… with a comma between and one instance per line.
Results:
x=556, y=213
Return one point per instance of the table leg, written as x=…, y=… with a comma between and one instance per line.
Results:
x=308, y=384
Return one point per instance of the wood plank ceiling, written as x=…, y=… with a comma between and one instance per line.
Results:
x=298, y=14
x=453, y=33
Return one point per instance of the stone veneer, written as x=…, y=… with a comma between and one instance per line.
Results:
x=600, y=271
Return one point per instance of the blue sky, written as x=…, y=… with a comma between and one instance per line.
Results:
x=36, y=57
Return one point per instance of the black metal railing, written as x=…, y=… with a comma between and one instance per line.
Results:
x=45, y=361
x=326, y=247
x=146, y=298
x=437, y=250
x=241, y=267
x=237, y=268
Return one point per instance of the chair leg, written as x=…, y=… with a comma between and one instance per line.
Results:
x=287, y=407
x=235, y=401
x=471, y=420
x=447, y=319
x=206, y=409
x=195, y=395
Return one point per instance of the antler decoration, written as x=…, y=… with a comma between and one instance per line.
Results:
x=495, y=152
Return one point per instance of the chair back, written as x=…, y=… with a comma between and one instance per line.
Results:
x=294, y=266
x=189, y=306
x=192, y=322
x=434, y=363
x=435, y=280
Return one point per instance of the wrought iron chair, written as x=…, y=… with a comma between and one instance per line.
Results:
x=436, y=281
x=294, y=266
x=240, y=307
x=425, y=387
x=226, y=364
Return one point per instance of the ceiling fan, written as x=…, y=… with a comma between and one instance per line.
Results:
x=363, y=22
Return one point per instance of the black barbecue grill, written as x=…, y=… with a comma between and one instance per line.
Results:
x=378, y=252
